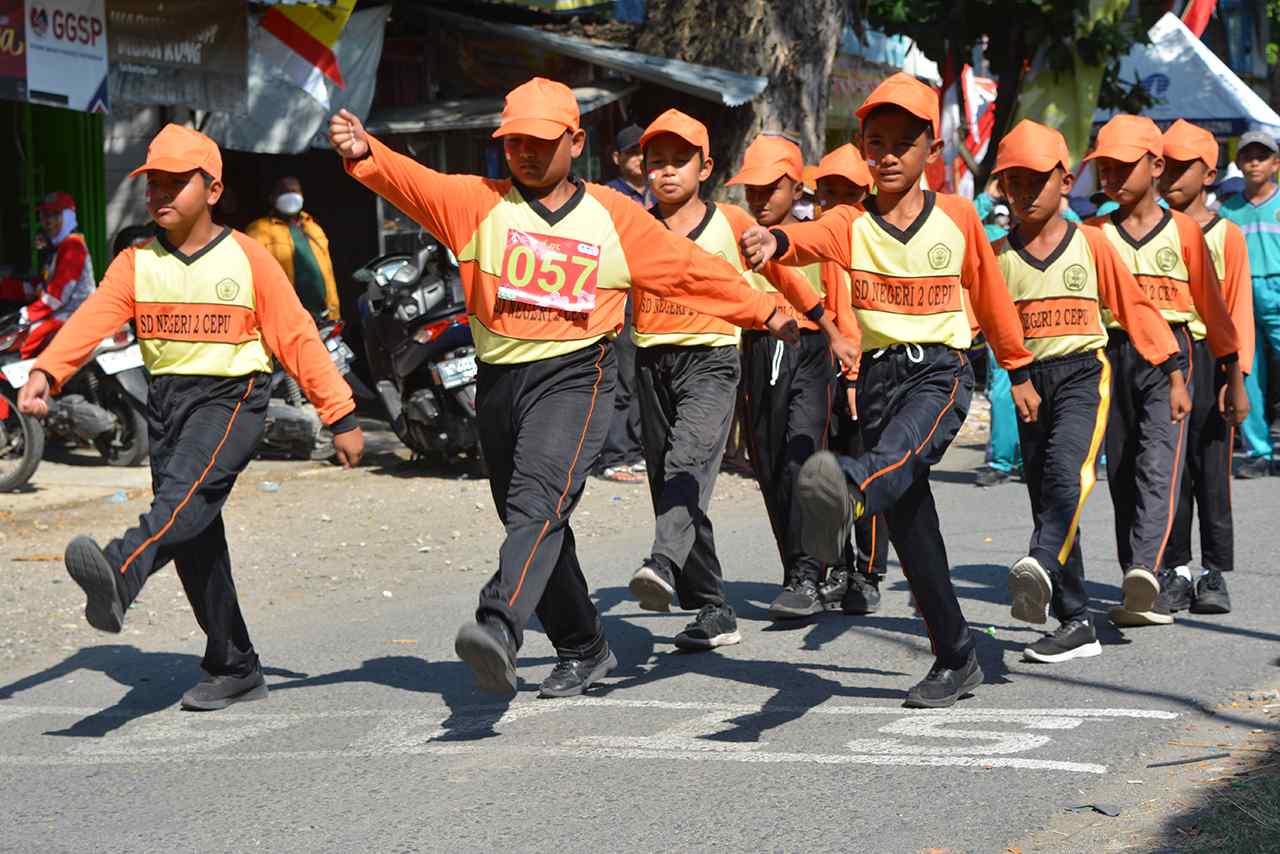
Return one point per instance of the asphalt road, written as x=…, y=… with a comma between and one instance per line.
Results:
x=374, y=739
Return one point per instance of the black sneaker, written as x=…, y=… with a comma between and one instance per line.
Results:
x=571, y=676
x=831, y=592
x=1253, y=467
x=863, y=595
x=1211, y=594
x=1072, y=639
x=653, y=585
x=715, y=625
x=489, y=649
x=798, y=599
x=218, y=692
x=88, y=566
x=943, y=686
x=1175, y=590
x=992, y=477
x=1030, y=591
x=828, y=508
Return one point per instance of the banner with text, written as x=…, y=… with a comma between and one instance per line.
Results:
x=194, y=53
x=67, y=54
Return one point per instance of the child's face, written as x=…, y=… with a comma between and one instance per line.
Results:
x=177, y=199
x=675, y=168
x=541, y=164
x=630, y=164
x=771, y=203
x=1258, y=163
x=1127, y=183
x=1035, y=197
x=1183, y=181
x=836, y=190
x=897, y=147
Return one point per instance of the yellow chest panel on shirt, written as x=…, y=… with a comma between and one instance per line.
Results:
x=197, y=316
x=657, y=321
x=1157, y=263
x=906, y=286
x=563, y=254
x=1057, y=298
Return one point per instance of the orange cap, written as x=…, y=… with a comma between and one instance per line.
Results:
x=541, y=108
x=1185, y=141
x=845, y=162
x=809, y=177
x=1033, y=146
x=1128, y=139
x=767, y=159
x=180, y=149
x=904, y=91
x=686, y=127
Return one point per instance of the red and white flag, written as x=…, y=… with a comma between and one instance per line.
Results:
x=298, y=40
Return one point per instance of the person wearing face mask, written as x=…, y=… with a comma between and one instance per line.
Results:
x=65, y=277
x=299, y=243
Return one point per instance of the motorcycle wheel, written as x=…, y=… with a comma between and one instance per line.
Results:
x=21, y=448
x=128, y=445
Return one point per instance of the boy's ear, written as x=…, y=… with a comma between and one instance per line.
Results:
x=935, y=150
x=797, y=190
x=1157, y=166
x=1211, y=177
x=708, y=163
x=1068, y=181
x=577, y=142
x=214, y=192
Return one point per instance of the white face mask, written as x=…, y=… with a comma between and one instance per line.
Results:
x=803, y=210
x=289, y=203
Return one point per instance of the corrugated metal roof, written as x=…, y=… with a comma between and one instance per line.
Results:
x=702, y=81
x=479, y=113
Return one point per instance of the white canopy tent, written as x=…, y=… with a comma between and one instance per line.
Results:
x=1190, y=82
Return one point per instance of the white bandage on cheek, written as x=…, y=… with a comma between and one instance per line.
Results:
x=873, y=163
x=653, y=175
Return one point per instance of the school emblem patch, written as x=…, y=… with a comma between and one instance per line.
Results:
x=1075, y=277
x=227, y=289
x=1166, y=259
x=939, y=256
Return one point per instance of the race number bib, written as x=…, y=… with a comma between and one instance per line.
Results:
x=550, y=272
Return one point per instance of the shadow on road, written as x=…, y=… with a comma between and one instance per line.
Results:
x=156, y=681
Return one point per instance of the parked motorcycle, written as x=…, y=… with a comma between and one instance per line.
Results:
x=103, y=405
x=421, y=355
x=292, y=424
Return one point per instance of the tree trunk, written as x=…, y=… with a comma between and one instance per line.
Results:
x=792, y=44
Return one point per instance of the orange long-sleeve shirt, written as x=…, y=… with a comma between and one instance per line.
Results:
x=658, y=321
x=1230, y=254
x=1174, y=267
x=907, y=283
x=222, y=312
x=543, y=283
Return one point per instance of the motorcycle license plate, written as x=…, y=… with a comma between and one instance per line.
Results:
x=17, y=372
x=456, y=372
x=115, y=361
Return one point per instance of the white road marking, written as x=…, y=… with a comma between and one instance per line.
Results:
x=920, y=738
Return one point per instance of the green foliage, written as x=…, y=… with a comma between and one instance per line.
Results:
x=1016, y=29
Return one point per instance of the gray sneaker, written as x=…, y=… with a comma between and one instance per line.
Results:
x=829, y=508
x=1030, y=591
x=88, y=567
x=218, y=692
